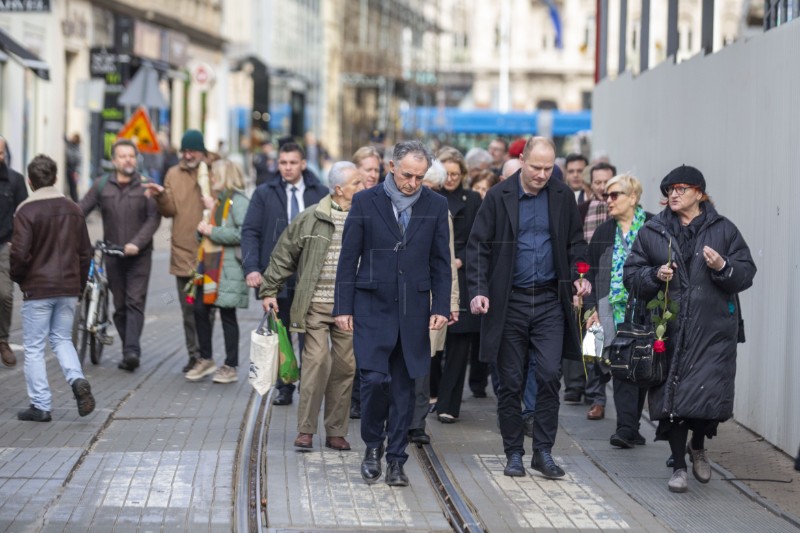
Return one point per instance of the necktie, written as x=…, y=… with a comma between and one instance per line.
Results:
x=402, y=219
x=295, y=205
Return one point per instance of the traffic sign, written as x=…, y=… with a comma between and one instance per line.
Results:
x=140, y=131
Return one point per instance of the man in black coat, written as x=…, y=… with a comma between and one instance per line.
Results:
x=521, y=257
x=274, y=204
x=12, y=193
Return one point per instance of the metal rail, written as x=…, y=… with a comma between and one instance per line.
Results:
x=247, y=516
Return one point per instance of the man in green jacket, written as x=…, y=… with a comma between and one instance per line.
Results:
x=310, y=246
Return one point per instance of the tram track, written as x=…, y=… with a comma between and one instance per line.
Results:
x=251, y=467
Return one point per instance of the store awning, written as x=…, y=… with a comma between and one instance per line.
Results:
x=23, y=56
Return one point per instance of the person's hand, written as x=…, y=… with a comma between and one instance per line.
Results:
x=268, y=302
x=666, y=272
x=130, y=249
x=453, y=318
x=479, y=305
x=344, y=322
x=152, y=189
x=592, y=320
x=204, y=228
x=582, y=287
x=209, y=202
x=253, y=279
x=459, y=264
x=714, y=261
x=437, y=322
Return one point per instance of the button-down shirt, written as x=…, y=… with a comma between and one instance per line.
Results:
x=301, y=187
x=533, y=264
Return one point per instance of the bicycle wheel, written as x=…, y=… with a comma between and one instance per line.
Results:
x=97, y=345
x=80, y=337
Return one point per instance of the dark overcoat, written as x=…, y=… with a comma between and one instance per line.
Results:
x=463, y=205
x=701, y=342
x=392, y=284
x=492, y=250
x=267, y=218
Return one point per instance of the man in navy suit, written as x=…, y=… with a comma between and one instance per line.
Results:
x=393, y=286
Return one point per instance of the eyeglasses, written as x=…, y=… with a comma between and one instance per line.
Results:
x=613, y=195
x=680, y=189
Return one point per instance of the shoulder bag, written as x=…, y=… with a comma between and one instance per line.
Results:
x=630, y=355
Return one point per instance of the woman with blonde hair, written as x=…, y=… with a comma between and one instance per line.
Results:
x=220, y=282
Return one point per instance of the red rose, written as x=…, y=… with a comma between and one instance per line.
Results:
x=190, y=299
x=659, y=346
x=583, y=268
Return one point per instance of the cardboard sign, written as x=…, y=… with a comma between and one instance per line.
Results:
x=140, y=131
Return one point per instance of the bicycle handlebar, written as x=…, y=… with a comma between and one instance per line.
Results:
x=109, y=249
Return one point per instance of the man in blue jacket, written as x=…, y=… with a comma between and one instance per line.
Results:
x=274, y=204
x=393, y=286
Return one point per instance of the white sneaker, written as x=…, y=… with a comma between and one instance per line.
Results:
x=203, y=368
x=225, y=374
x=679, y=481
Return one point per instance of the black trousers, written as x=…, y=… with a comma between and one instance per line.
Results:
x=203, y=314
x=128, y=279
x=478, y=372
x=457, y=351
x=629, y=402
x=534, y=328
x=387, y=406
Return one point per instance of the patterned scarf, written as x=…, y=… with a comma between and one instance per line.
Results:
x=595, y=215
x=210, y=254
x=618, y=295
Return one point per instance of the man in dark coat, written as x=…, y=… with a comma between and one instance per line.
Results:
x=521, y=260
x=274, y=204
x=12, y=193
x=392, y=285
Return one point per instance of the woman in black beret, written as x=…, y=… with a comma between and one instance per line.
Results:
x=700, y=260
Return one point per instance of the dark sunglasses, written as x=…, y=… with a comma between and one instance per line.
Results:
x=613, y=195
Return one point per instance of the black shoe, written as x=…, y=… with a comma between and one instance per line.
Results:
x=34, y=414
x=284, y=398
x=543, y=462
x=395, y=477
x=371, y=464
x=355, y=411
x=129, y=363
x=83, y=395
x=639, y=439
x=670, y=462
x=621, y=442
x=479, y=393
x=514, y=467
x=190, y=365
x=572, y=398
x=418, y=436
x=527, y=425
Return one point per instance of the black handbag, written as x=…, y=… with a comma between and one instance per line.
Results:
x=630, y=354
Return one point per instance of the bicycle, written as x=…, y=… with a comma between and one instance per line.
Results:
x=91, y=315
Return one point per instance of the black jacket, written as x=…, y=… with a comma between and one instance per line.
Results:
x=463, y=205
x=12, y=193
x=492, y=248
x=701, y=342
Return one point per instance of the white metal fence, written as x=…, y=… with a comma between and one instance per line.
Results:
x=735, y=116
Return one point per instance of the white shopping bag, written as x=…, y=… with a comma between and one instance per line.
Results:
x=264, y=357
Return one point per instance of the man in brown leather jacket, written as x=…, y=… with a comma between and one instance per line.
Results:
x=50, y=257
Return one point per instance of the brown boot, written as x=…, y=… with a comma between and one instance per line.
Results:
x=7, y=354
x=337, y=443
x=304, y=440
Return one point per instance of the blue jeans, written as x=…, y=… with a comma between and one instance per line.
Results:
x=42, y=318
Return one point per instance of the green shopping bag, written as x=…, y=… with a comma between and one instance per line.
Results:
x=288, y=370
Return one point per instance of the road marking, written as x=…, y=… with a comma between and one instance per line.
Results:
x=538, y=502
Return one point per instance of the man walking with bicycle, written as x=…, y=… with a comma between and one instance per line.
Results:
x=50, y=256
x=130, y=219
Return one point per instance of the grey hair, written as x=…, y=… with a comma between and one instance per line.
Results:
x=337, y=175
x=416, y=148
x=478, y=156
x=435, y=175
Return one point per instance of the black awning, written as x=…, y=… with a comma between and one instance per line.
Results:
x=24, y=57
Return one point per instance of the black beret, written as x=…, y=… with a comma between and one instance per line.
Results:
x=683, y=174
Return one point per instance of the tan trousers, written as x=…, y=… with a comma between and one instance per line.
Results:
x=328, y=369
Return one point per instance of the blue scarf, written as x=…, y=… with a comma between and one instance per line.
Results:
x=402, y=203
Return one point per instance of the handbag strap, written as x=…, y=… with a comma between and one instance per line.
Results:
x=632, y=311
x=268, y=320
